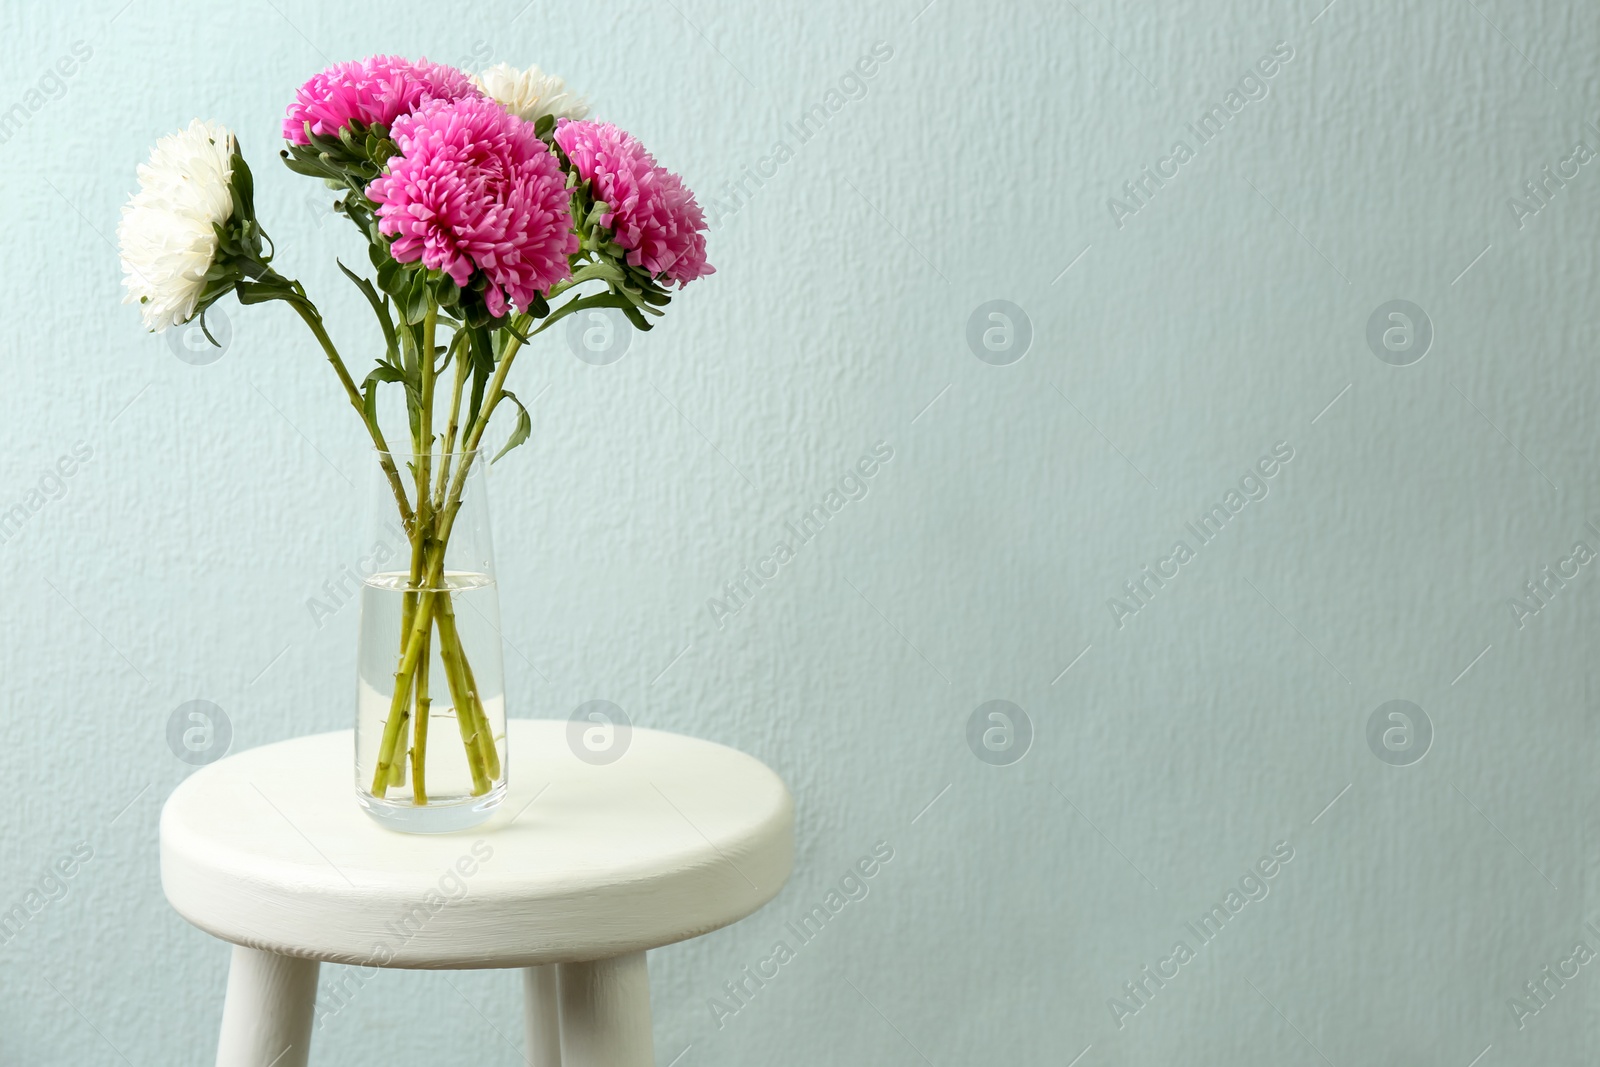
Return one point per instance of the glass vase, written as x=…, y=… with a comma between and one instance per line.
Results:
x=430, y=689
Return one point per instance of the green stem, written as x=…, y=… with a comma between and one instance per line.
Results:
x=419, y=734
x=408, y=611
x=313, y=320
x=421, y=624
x=472, y=725
x=415, y=641
x=408, y=614
x=424, y=442
x=469, y=447
x=432, y=606
x=491, y=399
x=391, y=726
x=423, y=449
x=448, y=443
x=469, y=702
x=442, y=521
x=397, y=769
x=428, y=601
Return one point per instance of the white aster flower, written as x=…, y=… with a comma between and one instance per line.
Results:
x=167, y=233
x=530, y=94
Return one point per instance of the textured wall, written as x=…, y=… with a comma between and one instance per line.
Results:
x=1178, y=337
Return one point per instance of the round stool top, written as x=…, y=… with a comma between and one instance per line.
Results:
x=268, y=848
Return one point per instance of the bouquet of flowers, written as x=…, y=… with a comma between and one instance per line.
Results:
x=492, y=208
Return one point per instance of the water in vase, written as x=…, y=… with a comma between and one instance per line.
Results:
x=460, y=683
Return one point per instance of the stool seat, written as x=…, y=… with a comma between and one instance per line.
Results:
x=268, y=849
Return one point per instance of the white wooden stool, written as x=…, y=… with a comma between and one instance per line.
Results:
x=583, y=869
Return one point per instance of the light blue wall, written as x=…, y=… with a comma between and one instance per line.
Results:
x=1168, y=354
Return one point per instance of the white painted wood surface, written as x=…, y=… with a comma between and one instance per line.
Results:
x=266, y=1019
x=605, y=1013
x=541, y=1012
x=268, y=849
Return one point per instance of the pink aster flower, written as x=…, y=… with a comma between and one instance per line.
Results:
x=653, y=215
x=370, y=91
x=474, y=189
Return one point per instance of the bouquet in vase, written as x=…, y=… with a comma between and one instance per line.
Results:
x=492, y=207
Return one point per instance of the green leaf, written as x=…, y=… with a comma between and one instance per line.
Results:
x=450, y=351
x=448, y=293
x=409, y=344
x=255, y=293
x=605, y=272
x=384, y=372
x=482, y=351
x=379, y=309
x=482, y=354
x=631, y=310
x=389, y=276
x=369, y=406
x=408, y=347
x=416, y=306
x=523, y=429
x=242, y=186
x=606, y=299
x=203, y=329
x=506, y=326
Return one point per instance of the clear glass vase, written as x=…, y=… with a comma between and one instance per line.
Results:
x=430, y=689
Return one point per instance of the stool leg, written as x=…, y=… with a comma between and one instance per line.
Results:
x=605, y=1013
x=266, y=1020
x=542, y=1014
